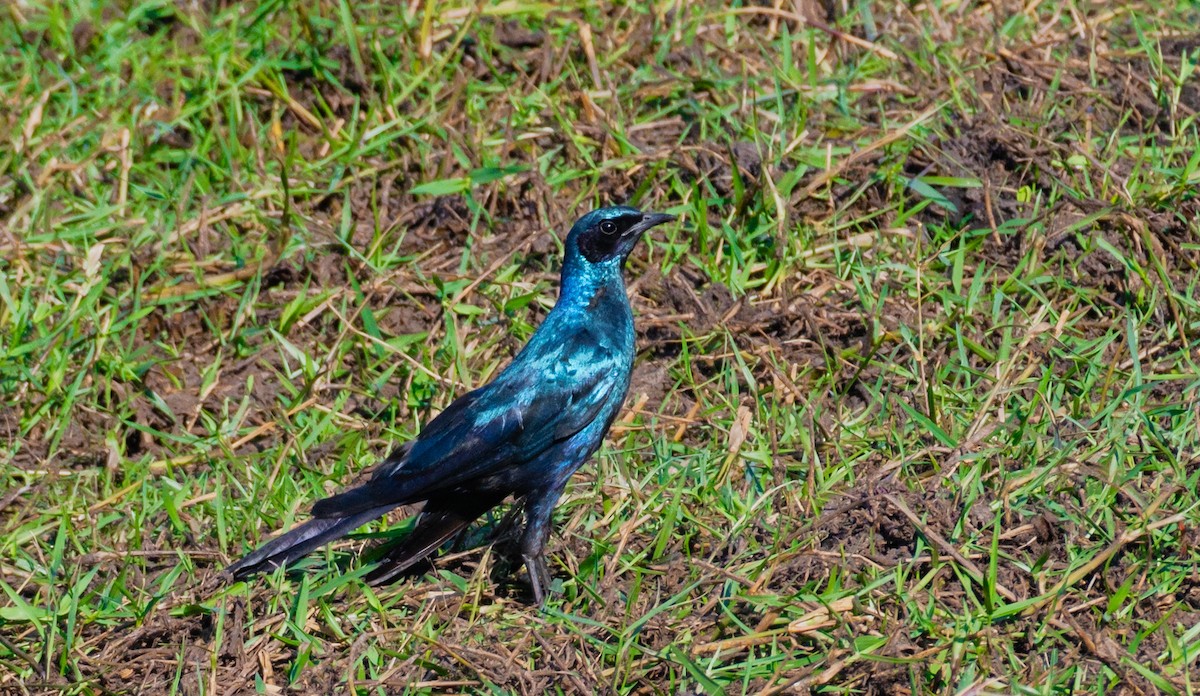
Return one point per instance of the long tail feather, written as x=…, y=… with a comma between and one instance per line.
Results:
x=440, y=519
x=375, y=492
x=298, y=542
x=352, y=502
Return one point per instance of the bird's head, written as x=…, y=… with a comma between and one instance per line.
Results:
x=609, y=234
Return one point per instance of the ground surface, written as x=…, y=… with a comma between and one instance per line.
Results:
x=915, y=402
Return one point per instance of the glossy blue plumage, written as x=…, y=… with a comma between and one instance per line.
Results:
x=521, y=435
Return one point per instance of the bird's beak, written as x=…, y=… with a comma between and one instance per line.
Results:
x=649, y=220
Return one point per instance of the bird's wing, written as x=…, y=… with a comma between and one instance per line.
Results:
x=543, y=400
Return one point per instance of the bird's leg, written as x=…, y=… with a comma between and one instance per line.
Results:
x=539, y=577
x=507, y=522
x=538, y=511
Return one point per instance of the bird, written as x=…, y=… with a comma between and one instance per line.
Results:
x=519, y=437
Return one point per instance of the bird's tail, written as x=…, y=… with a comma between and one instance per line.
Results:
x=298, y=542
x=441, y=518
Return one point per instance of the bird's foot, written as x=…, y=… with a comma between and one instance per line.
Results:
x=539, y=577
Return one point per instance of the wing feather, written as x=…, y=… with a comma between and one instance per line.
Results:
x=524, y=411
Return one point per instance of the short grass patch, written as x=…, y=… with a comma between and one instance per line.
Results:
x=915, y=407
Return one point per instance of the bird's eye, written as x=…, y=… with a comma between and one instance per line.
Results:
x=608, y=227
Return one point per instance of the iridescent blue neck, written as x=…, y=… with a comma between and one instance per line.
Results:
x=582, y=281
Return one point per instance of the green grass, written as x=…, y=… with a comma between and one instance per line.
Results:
x=915, y=405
